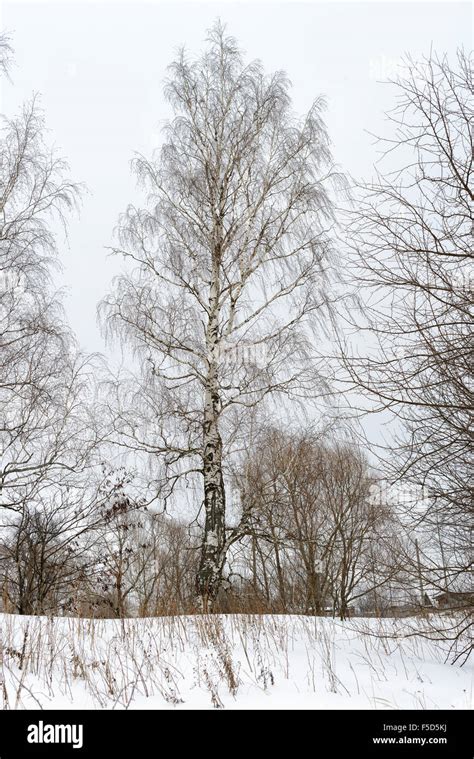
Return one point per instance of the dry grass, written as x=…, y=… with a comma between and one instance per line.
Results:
x=116, y=664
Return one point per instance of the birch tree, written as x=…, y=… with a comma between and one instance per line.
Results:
x=229, y=278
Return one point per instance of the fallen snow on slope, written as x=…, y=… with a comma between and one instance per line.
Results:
x=254, y=662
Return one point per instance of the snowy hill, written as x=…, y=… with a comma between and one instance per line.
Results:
x=233, y=661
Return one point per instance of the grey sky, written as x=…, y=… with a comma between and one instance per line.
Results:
x=100, y=68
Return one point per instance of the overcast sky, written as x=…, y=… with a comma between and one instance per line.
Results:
x=99, y=68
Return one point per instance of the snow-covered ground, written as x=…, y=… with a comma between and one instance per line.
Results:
x=238, y=661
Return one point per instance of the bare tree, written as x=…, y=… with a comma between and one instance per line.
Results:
x=140, y=562
x=312, y=503
x=413, y=234
x=38, y=369
x=121, y=540
x=165, y=567
x=232, y=264
x=45, y=554
x=47, y=429
x=5, y=53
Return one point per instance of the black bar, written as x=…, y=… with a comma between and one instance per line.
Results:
x=113, y=734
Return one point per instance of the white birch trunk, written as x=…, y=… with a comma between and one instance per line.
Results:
x=213, y=546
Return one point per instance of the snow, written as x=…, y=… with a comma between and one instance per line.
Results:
x=234, y=661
